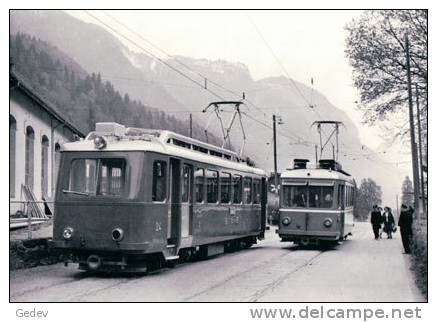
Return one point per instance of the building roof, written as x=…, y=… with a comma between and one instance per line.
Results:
x=27, y=89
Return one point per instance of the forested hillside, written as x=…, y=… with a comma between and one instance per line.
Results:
x=83, y=98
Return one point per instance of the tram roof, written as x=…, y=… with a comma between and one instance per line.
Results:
x=165, y=142
x=316, y=173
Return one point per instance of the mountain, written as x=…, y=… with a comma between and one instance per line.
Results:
x=158, y=86
x=83, y=98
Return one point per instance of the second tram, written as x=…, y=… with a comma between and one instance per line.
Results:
x=316, y=204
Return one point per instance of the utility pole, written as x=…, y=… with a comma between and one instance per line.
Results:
x=422, y=182
x=275, y=160
x=191, y=125
x=412, y=132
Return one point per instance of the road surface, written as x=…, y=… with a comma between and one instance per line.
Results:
x=360, y=269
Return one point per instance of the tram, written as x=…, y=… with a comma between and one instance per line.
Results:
x=316, y=204
x=130, y=199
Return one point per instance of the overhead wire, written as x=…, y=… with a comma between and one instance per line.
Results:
x=153, y=55
x=278, y=61
x=113, y=29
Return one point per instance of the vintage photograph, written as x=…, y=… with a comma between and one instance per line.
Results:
x=218, y=156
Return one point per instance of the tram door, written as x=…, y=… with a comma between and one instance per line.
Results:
x=263, y=204
x=341, y=206
x=173, y=233
x=186, y=200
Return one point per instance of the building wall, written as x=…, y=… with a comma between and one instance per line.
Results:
x=27, y=113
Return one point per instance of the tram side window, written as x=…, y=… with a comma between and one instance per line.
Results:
x=347, y=197
x=199, y=178
x=257, y=191
x=340, y=200
x=247, y=191
x=186, y=183
x=225, y=184
x=237, y=182
x=159, y=181
x=294, y=196
x=211, y=186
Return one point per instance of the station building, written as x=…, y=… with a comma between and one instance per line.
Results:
x=36, y=132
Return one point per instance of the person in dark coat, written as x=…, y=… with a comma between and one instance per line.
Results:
x=405, y=223
x=375, y=220
x=389, y=222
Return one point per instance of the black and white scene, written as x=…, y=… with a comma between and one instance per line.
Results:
x=218, y=156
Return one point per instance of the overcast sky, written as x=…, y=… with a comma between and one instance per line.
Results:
x=310, y=44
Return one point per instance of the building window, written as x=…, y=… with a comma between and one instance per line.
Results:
x=44, y=165
x=57, y=160
x=12, y=144
x=29, y=157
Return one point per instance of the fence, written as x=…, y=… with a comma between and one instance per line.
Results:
x=31, y=214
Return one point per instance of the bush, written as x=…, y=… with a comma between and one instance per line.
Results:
x=31, y=253
x=419, y=252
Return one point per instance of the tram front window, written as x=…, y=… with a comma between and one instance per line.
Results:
x=97, y=177
x=321, y=196
x=294, y=196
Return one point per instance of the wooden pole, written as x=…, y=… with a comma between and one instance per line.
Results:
x=412, y=131
x=422, y=182
x=275, y=159
x=191, y=125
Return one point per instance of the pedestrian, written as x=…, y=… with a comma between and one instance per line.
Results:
x=389, y=222
x=375, y=220
x=381, y=224
x=405, y=223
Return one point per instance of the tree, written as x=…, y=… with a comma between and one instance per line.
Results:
x=376, y=51
x=367, y=195
x=407, y=192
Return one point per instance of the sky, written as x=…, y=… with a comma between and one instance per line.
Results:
x=309, y=44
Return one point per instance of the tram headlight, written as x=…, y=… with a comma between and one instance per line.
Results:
x=286, y=221
x=99, y=142
x=117, y=234
x=68, y=233
x=327, y=222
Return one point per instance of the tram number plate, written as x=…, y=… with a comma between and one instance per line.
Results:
x=232, y=219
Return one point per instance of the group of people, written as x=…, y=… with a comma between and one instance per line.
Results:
x=384, y=221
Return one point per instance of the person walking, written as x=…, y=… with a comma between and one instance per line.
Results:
x=405, y=223
x=388, y=221
x=375, y=220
